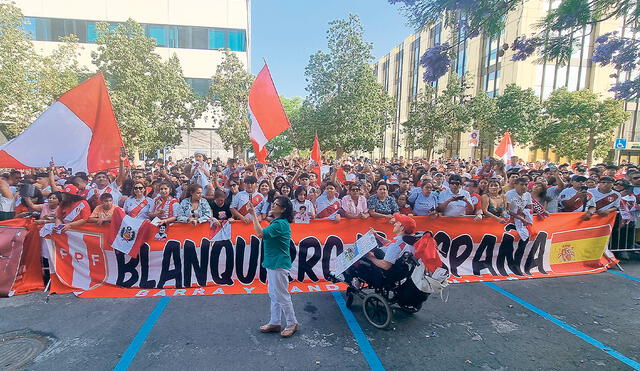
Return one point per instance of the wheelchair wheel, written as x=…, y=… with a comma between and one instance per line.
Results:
x=377, y=310
x=350, y=295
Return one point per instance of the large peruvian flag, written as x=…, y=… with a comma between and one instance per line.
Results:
x=128, y=234
x=268, y=118
x=79, y=131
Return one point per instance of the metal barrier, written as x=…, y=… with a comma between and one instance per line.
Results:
x=625, y=237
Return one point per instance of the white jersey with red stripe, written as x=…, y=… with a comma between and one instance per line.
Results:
x=241, y=200
x=138, y=208
x=604, y=201
x=327, y=209
x=113, y=189
x=578, y=205
x=168, y=206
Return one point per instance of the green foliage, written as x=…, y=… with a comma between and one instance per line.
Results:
x=151, y=99
x=555, y=33
x=229, y=95
x=29, y=82
x=585, y=123
x=282, y=145
x=483, y=110
x=433, y=118
x=346, y=107
x=519, y=111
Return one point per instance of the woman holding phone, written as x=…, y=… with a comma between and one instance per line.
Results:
x=277, y=261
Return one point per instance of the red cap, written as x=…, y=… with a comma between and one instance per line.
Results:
x=70, y=188
x=407, y=222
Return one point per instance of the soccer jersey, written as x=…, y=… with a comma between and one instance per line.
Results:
x=579, y=204
x=113, y=189
x=139, y=209
x=603, y=201
x=241, y=200
x=168, y=206
x=327, y=209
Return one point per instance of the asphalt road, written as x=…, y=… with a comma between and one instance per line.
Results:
x=479, y=327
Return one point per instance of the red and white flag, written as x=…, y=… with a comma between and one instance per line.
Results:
x=268, y=118
x=220, y=232
x=315, y=151
x=79, y=131
x=128, y=234
x=505, y=147
x=77, y=259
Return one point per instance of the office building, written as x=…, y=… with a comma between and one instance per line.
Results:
x=488, y=66
x=196, y=31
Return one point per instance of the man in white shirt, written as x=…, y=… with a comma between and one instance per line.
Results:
x=519, y=201
x=239, y=208
x=604, y=200
x=574, y=198
x=455, y=201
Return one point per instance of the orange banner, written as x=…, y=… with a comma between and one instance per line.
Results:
x=190, y=261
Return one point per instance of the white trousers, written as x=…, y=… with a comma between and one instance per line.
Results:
x=278, y=283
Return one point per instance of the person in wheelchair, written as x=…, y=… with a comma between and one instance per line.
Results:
x=378, y=268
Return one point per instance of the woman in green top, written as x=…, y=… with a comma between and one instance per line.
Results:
x=277, y=261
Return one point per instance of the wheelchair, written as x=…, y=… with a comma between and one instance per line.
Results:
x=379, y=290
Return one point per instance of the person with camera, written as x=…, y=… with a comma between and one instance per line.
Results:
x=200, y=169
x=455, y=201
x=576, y=197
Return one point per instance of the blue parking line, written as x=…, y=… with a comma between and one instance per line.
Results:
x=141, y=336
x=365, y=347
x=567, y=327
x=632, y=278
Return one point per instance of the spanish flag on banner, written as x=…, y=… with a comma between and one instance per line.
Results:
x=578, y=247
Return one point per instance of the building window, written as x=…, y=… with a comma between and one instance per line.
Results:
x=158, y=33
x=185, y=37
x=217, y=39
x=200, y=87
x=237, y=41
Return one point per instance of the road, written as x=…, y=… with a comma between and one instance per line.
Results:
x=550, y=324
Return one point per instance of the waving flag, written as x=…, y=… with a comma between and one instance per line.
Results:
x=79, y=131
x=128, y=234
x=268, y=118
x=505, y=147
x=315, y=152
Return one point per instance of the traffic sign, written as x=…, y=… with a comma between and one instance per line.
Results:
x=620, y=143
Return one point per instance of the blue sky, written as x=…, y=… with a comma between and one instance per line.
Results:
x=287, y=32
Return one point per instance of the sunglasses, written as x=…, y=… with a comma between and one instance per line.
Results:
x=138, y=187
x=454, y=183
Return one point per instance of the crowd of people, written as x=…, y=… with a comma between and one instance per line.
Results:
x=200, y=189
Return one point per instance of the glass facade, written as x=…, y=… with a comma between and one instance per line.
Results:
x=199, y=86
x=167, y=36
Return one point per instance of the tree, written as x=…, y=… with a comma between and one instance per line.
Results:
x=435, y=117
x=553, y=40
x=346, y=107
x=30, y=82
x=229, y=97
x=584, y=122
x=152, y=101
x=282, y=145
x=519, y=111
x=483, y=110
